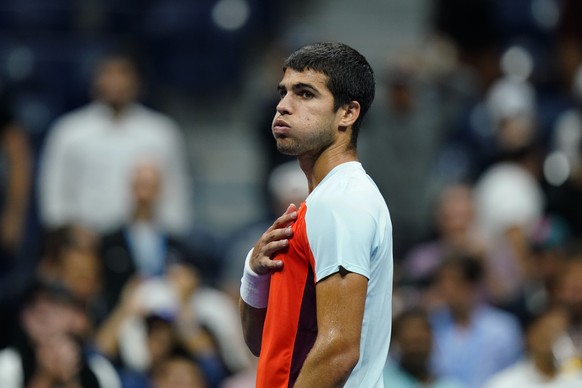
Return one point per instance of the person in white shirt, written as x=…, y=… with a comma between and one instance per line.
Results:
x=540, y=367
x=89, y=155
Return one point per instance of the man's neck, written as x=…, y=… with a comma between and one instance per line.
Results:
x=117, y=110
x=316, y=167
x=143, y=214
x=545, y=365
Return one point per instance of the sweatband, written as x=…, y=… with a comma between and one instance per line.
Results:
x=254, y=288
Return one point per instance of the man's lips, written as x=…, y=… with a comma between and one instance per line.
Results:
x=280, y=127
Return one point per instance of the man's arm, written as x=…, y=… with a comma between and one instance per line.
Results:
x=17, y=149
x=258, y=269
x=341, y=298
x=253, y=320
x=55, y=196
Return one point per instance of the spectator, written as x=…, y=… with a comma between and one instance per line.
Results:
x=508, y=194
x=539, y=368
x=201, y=320
x=568, y=348
x=90, y=153
x=547, y=243
x=473, y=340
x=16, y=175
x=405, y=131
x=71, y=259
x=15, y=182
x=178, y=369
x=412, y=351
x=567, y=132
x=142, y=246
x=456, y=234
x=51, y=349
x=565, y=193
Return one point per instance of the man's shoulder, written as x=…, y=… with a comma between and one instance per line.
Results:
x=494, y=317
x=155, y=118
x=515, y=375
x=10, y=366
x=73, y=118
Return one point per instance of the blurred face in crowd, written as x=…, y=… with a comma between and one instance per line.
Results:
x=546, y=265
x=184, y=279
x=116, y=82
x=414, y=340
x=456, y=291
x=569, y=292
x=400, y=92
x=79, y=271
x=455, y=213
x=46, y=318
x=179, y=372
x=146, y=184
x=160, y=339
x=544, y=332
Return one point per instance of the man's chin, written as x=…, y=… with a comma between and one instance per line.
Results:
x=286, y=149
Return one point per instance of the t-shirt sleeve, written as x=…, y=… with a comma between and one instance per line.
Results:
x=340, y=234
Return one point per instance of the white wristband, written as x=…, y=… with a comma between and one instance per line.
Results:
x=254, y=288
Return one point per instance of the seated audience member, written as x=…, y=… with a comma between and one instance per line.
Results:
x=407, y=126
x=89, y=155
x=548, y=241
x=15, y=182
x=142, y=246
x=71, y=259
x=565, y=142
x=473, y=340
x=175, y=307
x=509, y=201
x=539, y=367
x=564, y=200
x=410, y=365
x=177, y=369
x=568, y=349
x=456, y=235
x=52, y=349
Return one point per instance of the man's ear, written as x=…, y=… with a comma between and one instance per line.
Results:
x=349, y=114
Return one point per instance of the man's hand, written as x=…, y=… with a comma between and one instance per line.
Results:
x=273, y=240
x=261, y=262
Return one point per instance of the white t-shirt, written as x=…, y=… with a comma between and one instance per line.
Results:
x=524, y=374
x=348, y=225
x=88, y=161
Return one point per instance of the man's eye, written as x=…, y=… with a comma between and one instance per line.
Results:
x=282, y=93
x=306, y=94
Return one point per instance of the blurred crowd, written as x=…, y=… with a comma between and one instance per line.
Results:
x=475, y=140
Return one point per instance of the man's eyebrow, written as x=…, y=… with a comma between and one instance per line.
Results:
x=297, y=86
x=301, y=85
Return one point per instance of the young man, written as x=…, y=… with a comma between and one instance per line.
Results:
x=316, y=291
x=91, y=152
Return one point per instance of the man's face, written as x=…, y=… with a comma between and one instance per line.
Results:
x=415, y=340
x=570, y=290
x=305, y=122
x=46, y=318
x=146, y=185
x=116, y=82
x=454, y=289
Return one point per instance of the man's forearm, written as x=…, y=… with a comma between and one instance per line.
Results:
x=253, y=320
x=328, y=365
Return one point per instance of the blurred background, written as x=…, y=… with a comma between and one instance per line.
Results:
x=137, y=168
